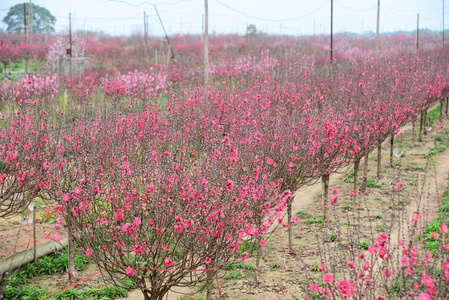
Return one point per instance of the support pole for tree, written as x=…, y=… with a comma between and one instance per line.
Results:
x=206, y=41
x=377, y=29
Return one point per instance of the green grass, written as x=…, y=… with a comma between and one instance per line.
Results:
x=204, y=286
x=419, y=167
x=430, y=154
x=443, y=217
x=413, y=183
x=314, y=221
x=349, y=177
x=247, y=246
x=433, y=116
x=16, y=284
x=303, y=214
x=234, y=275
x=365, y=245
x=275, y=265
x=331, y=237
x=381, y=228
x=372, y=183
x=240, y=265
x=316, y=267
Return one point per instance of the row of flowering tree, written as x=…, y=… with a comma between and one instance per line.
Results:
x=166, y=194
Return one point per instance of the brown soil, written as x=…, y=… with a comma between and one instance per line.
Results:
x=16, y=237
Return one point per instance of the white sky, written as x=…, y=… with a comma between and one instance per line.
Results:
x=117, y=17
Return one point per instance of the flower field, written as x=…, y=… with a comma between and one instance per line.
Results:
x=286, y=175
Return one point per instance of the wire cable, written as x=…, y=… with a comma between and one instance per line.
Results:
x=271, y=20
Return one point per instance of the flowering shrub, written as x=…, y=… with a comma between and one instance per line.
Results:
x=58, y=50
x=142, y=85
x=404, y=268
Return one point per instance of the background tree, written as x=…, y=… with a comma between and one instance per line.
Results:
x=251, y=29
x=43, y=20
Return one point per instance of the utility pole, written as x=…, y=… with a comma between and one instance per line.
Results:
x=70, y=42
x=417, y=32
x=206, y=42
x=145, y=28
x=30, y=13
x=313, y=25
x=145, y=34
x=332, y=28
x=25, y=22
x=443, y=23
x=202, y=28
x=377, y=29
x=26, y=34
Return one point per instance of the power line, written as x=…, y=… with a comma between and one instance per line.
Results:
x=94, y=19
x=271, y=20
x=396, y=20
x=355, y=9
x=147, y=3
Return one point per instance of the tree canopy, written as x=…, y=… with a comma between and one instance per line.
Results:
x=43, y=20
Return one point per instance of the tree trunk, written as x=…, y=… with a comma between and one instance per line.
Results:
x=210, y=280
x=421, y=122
x=289, y=222
x=363, y=188
x=71, y=258
x=447, y=104
x=391, y=149
x=325, y=179
x=379, y=160
x=356, y=172
x=425, y=121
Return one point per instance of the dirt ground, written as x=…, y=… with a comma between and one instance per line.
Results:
x=281, y=271
x=16, y=235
